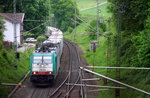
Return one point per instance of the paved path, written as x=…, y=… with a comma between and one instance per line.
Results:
x=95, y=6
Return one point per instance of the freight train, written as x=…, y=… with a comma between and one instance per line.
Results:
x=45, y=61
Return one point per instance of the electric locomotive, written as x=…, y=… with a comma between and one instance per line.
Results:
x=45, y=61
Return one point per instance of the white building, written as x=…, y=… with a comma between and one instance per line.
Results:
x=10, y=20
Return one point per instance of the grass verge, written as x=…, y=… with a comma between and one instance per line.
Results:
x=10, y=74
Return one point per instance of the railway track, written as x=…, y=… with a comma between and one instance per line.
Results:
x=69, y=73
x=74, y=64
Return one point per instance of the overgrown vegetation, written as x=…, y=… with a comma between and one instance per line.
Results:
x=56, y=13
x=130, y=18
x=33, y=9
x=11, y=69
x=63, y=12
x=1, y=31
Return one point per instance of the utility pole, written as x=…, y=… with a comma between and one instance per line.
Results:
x=15, y=34
x=121, y=10
x=75, y=18
x=98, y=29
x=15, y=22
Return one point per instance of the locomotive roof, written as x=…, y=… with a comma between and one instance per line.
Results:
x=42, y=54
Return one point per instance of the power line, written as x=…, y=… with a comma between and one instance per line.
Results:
x=36, y=27
x=85, y=22
x=91, y=28
x=15, y=21
x=82, y=25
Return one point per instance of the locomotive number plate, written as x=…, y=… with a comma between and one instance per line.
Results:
x=42, y=69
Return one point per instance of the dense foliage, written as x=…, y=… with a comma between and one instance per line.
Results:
x=58, y=13
x=64, y=11
x=1, y=31
x=33, y=9
x=131, y=18
x=142, y=46
x=8, y=72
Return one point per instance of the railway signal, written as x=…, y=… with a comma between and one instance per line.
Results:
x=93, y=45
x=17, y=54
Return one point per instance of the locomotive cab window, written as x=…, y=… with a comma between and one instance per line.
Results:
x=37, y=59
x=42, y=59
x=47, y=59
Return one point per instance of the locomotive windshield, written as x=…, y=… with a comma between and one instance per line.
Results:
x=42, y=59
x=47, y=59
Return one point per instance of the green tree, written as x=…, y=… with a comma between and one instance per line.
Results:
x=33, y=9
x=93, y=27
x=1, y=31
x=6, y=5
x=130, y=18
x=130, y=14
x=64, y=11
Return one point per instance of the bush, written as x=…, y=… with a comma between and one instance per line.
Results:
x=41, y=38
x=142, y=44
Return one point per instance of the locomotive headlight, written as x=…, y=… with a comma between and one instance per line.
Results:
x=42, y=65
x=34, y=73
x=50, y=72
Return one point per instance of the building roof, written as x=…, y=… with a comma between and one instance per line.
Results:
x=11, y=17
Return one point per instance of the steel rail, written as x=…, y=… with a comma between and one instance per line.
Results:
x=33, y=93
x=15, y=89
x=78, y=78
x=72, y=87
x=58, y=88
x=70, y=71
x=79, y=72
x=118, y=82
x=58, y=94
x=83, y=94
x=83, y=89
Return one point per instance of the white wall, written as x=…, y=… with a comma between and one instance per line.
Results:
x=9, y=32
x=18, y=33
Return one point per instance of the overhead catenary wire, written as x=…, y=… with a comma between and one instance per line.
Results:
x=90, y=29
x=85, y=22
x=82, y=24
x=34, y=29
x=93, y=29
